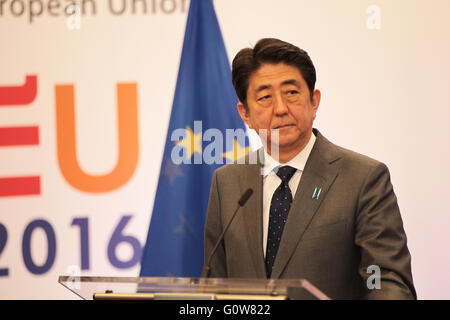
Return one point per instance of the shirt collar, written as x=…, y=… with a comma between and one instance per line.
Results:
x=298, y=162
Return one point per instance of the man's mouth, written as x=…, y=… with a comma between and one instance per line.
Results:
x=284, y=126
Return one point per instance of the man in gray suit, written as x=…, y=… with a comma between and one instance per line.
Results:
x=318, y=212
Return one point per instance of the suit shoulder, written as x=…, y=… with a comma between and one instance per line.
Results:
x=356, y=158
x=332, y=151
x=232, y=171
x=226, y=169
x=353, y=162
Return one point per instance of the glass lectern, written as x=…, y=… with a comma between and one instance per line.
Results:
x=151, y=288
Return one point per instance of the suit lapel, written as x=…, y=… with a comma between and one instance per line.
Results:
x=252, y=212
x=320, y=171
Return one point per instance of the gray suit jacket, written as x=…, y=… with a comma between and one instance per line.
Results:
x=330, y=241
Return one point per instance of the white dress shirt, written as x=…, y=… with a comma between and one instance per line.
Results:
x=271, y=181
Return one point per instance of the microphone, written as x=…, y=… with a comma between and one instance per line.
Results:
x=244, y=198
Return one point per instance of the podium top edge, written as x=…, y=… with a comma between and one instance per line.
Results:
x=184, y=280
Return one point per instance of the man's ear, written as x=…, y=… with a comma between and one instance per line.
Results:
x=316, y=101
x=244, y=114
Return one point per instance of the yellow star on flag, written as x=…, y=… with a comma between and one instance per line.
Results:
x=192, y=142
x=237, y=152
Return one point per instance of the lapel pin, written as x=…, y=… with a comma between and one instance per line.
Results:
x=316, y=193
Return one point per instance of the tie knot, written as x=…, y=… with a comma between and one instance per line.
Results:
x=285, y=173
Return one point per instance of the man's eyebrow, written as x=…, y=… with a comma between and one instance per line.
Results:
x=263, y=87
x=285, y=82
x=290, y=81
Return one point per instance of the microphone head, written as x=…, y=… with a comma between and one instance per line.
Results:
x=245, y=196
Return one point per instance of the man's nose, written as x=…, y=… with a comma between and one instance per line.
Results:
x=280, y=106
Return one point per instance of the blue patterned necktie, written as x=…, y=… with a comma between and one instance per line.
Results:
x=279, y=209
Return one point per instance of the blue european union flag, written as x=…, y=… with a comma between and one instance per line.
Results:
x=204, y=99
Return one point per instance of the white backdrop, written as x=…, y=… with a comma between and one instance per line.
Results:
x=382, y=67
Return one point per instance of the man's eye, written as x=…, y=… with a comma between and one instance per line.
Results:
x=292, y=92
x=264, y=98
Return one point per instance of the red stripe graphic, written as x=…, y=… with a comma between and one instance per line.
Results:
x=19, y=136
x=20, y=186
x=19, y=95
